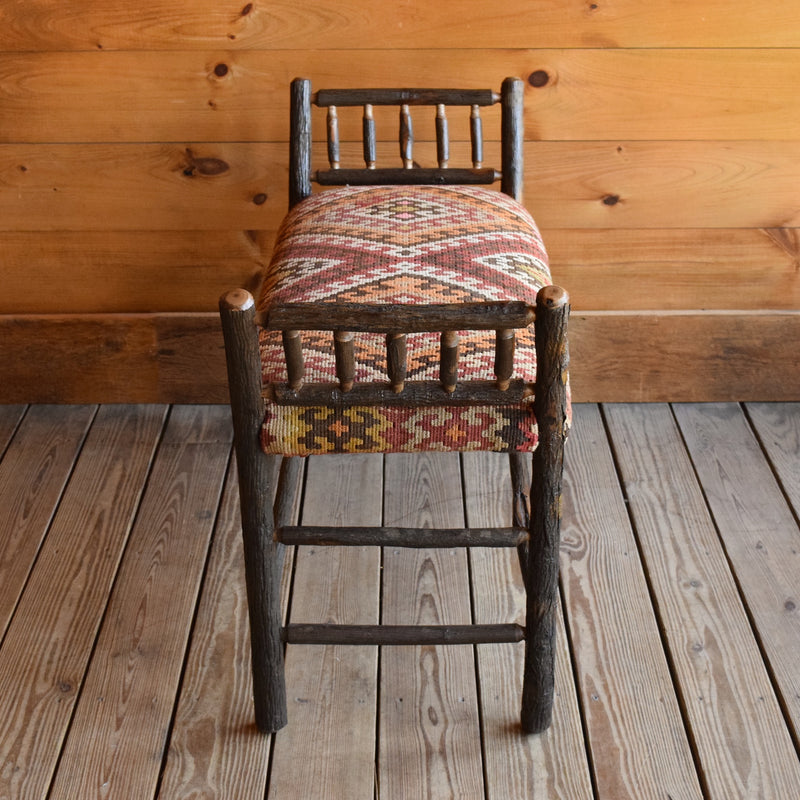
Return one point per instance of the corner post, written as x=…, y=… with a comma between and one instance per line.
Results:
x=300, y=141
x=513, y=137
x=262, y=555
x=541, y=581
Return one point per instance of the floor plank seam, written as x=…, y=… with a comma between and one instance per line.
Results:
x=762, y=649
x=656, y=609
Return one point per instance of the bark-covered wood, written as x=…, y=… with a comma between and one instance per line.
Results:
x=262, y=555
x=391, y=318
x=403, y=634
x=396, y=360
x=414, y=393
x=520, y=506
x=402, y=537
x=295, y=366
x=300, y=141
x=402, y=176
x=512, y=137
x=410, y=97
x=552, y=313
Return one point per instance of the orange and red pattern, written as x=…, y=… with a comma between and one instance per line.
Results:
x=406, y=245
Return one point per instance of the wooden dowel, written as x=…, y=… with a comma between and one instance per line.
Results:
x=512, y=136
x=406, y=138
x=295, y=367
x=345, y=359
x=504, y=357
x=402, y=634
x=333, y=138
x=448, y=354
x=476, y=136
x=368, y=127
x=300, y=141
x=396, y=360
x=402, y=537
x=442, y=138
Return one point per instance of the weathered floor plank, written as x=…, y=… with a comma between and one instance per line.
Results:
x=742, y=744
x=33, y=473
x=328, y=748
x=760, y=534
x=688, y=592
x=429, y=723
x=553, y=765
x=215, y=749
x=49, y=642
x=636, y=736
x=123, y=716
x=10, y=417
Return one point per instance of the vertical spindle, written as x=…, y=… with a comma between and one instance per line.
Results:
x=476, y=136
x=344, y=351
x=442, y=139
x=448, y=356
x=333, y=137
x=396, y=360
x=295, y=368
x=406, y=137
x=368, y=127
x=504, y=357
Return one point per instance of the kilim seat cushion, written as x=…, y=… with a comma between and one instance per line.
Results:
x=405, y=245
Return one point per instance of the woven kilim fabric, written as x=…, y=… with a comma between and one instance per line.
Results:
x=406, y=245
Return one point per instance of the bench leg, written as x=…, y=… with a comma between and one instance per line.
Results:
x=541, y=578
x=262, y=556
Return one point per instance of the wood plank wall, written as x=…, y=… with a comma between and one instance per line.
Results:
x=143, y=171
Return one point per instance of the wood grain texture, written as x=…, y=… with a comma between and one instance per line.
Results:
x=215, y=750
x=131, y=686
x=552, y=764
x=576, y=94
x=636, y=736
x=759, y=531
x=332, y=690
x=651, y=269
x=608, y=184
x=128, y=271
x=623, y=269
x=10, y=417
x=743, y=746
x=160, y=25
x=657, y=357
x=778, y=428
x=681, y=356
x=49, y=642
x=34, y=470
x=429, y=725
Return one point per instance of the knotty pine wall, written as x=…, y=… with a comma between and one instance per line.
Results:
x=143, y=170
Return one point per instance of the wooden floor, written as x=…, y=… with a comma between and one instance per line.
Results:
x=124, y=659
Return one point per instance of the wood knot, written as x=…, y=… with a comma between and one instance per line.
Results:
x=221, y=70
x=260, y=198
x=206, y=166
x=539, y=78
x=611, y=199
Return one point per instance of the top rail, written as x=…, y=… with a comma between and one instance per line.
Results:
x=411, y=97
